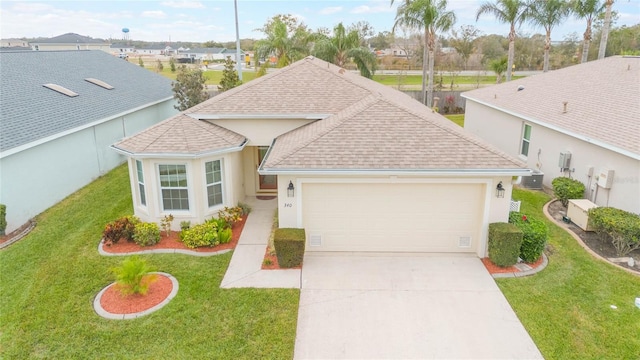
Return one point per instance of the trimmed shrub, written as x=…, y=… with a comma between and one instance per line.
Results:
x=200, y=235
x=132, y=276
x=535, y=233
x=621, y=227
x=146, y=234
x=123, y=228
x=505, y=241
x=565, y=189
x=3, y=218
x=289, y=245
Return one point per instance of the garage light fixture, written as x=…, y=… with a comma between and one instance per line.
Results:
x=499, y=190
x=291, y=191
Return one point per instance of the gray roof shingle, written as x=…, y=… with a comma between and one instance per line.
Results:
x=30, y=112
x=603, y=100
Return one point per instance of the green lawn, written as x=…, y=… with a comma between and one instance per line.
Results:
x=566, y=308
x=49, y=279
x=213, y=76
x=395, y=80
x=456, y=118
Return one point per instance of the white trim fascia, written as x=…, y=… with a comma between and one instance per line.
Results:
x=179, y=155
x=32, y=144
x=399, y=172
x=257, y=116
x=587, y=139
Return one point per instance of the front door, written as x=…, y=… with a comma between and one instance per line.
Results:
x=266, y=183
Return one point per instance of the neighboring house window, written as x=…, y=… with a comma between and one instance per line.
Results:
x=143, y=195
x=526, y=139
x=213, y=172
x=37, y=47
x=173, y=185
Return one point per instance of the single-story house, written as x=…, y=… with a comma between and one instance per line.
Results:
x=581, y=122
x=70, y=41
x=359, y=165
x=208, y=54
x=122, y=48
x=11, y=43
x=61, y=110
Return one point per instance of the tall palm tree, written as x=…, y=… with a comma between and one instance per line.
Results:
x=588, y=10
x=605, y=29
x=286, y=46
x=547, y=14
x=433, y=17
x=344, y=46
x=513, y=12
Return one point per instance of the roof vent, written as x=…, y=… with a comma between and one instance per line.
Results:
x=61, y=89
x=564, y=109
x=99, y=83
x=341, y=71
x=520, y=88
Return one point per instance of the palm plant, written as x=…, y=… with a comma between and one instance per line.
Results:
x=547, y=14
x=499, y=66
x=433, y=17
x=605, y=29
x=513, y=12
x=588, y=10
x=343, y=46
x=287, y=46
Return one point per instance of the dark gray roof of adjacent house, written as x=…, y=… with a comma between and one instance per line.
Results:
x=213, y=50
x=70, y=38
x=32, y=112
x=15, y=48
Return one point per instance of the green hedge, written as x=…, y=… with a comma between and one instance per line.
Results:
x=535, y=234
x=621, y=227
x=3, y=218
x=565, y=188
x=289, y=245
x=504, y=243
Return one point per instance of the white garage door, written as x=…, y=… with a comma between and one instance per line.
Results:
x=392, y=217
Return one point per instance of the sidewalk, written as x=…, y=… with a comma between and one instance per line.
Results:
x=244, y=270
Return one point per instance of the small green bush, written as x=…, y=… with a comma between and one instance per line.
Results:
x=246, y=208
x=231, y=215
x=565, y=188
x=3, y=218
x=133, y=277
x=224, y=235
x=505, y=241
x=289, y=245
x=200, y=235
x=146, y=234
x=122, y=228
x=621, y=227
x=184, y=225
x=535, y=234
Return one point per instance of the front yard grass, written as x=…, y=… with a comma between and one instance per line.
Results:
x=566, y=308
x=49, y=279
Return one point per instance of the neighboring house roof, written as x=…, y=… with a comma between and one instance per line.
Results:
x=362, y=125
x=121, y=45
x=602, y=96
x=213, y=50
x=15, y=48
x=70, y=38
x=30, y=112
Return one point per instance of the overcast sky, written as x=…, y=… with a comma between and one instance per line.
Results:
x=199, y=21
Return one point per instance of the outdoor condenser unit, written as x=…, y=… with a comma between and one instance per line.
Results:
x=533, y=182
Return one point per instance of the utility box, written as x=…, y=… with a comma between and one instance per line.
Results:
x=605, y=179
x=578, y=212
x=564, y=162
x=533, y=182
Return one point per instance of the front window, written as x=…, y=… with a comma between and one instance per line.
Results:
x=526, y=139
x=213, y=172
x=143, y=195
x=173, y=186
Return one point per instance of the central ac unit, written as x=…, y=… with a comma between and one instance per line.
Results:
x=533, y=182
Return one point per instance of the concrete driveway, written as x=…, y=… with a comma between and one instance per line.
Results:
x=389, y=306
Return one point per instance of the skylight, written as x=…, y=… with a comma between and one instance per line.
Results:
x=99, y=83
x=60, y=89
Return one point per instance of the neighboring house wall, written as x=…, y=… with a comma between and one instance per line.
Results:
x=28, y=176
x=505, y=132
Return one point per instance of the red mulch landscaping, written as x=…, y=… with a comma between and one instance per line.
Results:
x=495, y=269
x=115, y=302
x=173, y=242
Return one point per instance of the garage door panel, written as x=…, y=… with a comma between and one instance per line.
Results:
x=393, y=217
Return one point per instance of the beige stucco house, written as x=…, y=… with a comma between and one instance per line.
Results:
x=582, y=122
x=70, y=41
x=360, y=166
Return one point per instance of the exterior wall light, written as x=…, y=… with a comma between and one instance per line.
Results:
x=291, y=191
x=499, y=190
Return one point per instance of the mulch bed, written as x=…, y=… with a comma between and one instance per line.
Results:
x=8, y=237
x=173, y=242
x=115, y=302
x=495, y=269
x=601, y=247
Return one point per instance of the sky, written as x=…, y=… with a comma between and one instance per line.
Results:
x=204, y=20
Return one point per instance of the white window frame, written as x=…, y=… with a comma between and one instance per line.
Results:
x=524, y=140
x=187, y=188
x=142, y=194
x=207, y=184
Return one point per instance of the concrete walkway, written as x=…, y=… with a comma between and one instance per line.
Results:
x=244, y=270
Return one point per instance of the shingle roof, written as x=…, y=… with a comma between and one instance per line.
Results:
x=31, y=112
x=180, y=134
x=603, y=100
x=70, y=38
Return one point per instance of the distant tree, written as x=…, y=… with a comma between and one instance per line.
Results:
x=159, y=66
x=291, y=23
x=382, y=41
x=212, y=44
x=230, y=77
x=605, y=29
x=172, y=64
x=189, y=88
x=588, y=10
x=464, y=41
x=499, y=67
x=364, y=29
x=548, y=14
x=140, y=62
x=344, y=46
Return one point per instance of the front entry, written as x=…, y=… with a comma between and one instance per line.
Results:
x=266, y=183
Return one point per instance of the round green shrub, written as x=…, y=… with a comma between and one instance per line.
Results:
x=146, y=234
x=565, y=188
x=535, y=234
